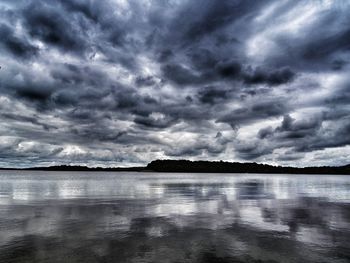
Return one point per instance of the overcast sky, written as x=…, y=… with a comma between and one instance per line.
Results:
x=119, y=83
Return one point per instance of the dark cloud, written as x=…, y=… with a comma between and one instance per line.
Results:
x=252, y=150
x=316, y=49
x=34, y=93
x=34, y=120
x=275, y=77
x=180, y=75
x=202, y=59
x=258, y=110
x=15, y=45
x=298, y=129
x=212, y=95
x=300, y=136
x=229, y=70
x=212, y=79
x=326, y=46
x=145, y=81
x=44, y=22
x=92, y=10
x=159, y=122
x=265, y=132
x=212, y=17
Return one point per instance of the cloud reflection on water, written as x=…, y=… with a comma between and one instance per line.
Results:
x=105, y=217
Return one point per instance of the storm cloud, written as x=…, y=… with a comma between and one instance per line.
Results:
x=118, y=83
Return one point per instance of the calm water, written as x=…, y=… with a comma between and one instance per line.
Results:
x=146, y=217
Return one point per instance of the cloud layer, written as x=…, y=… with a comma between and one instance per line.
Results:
x=123, y=82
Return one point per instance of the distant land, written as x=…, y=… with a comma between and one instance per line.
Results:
x=185, y=166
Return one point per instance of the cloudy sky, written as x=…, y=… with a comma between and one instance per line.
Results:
x=119, y=83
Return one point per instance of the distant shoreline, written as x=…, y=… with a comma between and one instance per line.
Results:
x=185, y=166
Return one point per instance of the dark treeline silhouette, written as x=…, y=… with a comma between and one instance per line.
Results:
x=235, y=167
x=186, y=166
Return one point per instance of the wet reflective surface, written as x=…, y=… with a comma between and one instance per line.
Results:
x=146, y=217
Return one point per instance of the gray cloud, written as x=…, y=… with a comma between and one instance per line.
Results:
x=134, y=81
x=18, y=47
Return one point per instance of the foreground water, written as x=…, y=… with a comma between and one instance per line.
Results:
x=147, y=217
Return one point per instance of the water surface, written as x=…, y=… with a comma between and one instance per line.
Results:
x=149, y=217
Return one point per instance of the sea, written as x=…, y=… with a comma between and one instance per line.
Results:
x=173, y=217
